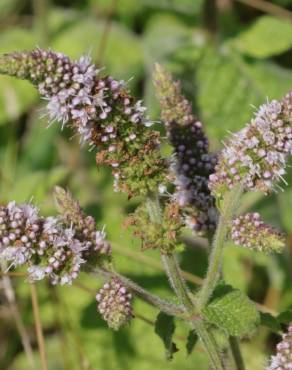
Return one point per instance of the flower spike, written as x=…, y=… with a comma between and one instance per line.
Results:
x=256, y=156
x=100, y=109
x=193, y=162
x=52, y=247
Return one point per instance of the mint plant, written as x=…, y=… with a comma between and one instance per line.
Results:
x=191, y=188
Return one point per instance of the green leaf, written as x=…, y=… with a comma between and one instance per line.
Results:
x=191, y=341
x=285, y=317
x=164, y=328
x=164, y=35
x=270, y=322
x=268, y=36
x=232, y=311
x=230, y=89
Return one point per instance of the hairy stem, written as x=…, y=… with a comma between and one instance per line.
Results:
x=209, y=343
x=179, y=286
x=169, y=261
x=235, y=349
x=176, y=280
x=230, y=203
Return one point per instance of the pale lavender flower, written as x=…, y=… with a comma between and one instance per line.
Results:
x=101, y=111
x=283, y=358
x=101, y=244
x=251, y=232
x=256, y=156
x=51, y=247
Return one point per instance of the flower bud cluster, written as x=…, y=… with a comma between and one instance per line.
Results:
x=114, y=303
x=85, y=226
x=100, y=109
x=256, y=156
x=51, y=247
x=163, y=235
x=283, y=358
x=251, y=232
x=193, y=162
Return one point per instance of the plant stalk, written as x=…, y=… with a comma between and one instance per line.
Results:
x=38, y=326
x=179, y=286
x=209, y=343
x=237, y=356
x=169, y=261
x=176, y=280
x=15, y=313
x=230, y=203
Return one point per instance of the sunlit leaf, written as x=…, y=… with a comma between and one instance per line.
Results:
x=266, y=37
x=232, y=311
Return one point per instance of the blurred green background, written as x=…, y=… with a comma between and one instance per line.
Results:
x=230, y=56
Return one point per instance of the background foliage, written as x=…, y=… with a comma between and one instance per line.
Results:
x=231, y=56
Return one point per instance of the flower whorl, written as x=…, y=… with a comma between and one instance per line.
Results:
x=51, y=247
x=100, y=109
x=256, y=155
x=283, y=358
x=114, y=303
x=163, y=235
x=251, y=232
x=193, y=162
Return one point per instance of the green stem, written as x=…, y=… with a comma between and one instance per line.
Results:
x=210, y=344
x=235, y=349
x=176, y=281
x=169, y=261
x=179, y=286
x=230, y=203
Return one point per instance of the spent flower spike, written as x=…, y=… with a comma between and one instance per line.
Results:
x=114, y=303
x=100, y=109
x=251, y=232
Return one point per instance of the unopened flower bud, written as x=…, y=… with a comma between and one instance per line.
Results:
x=68, y=207
x=114, y=304
x=251, y=232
